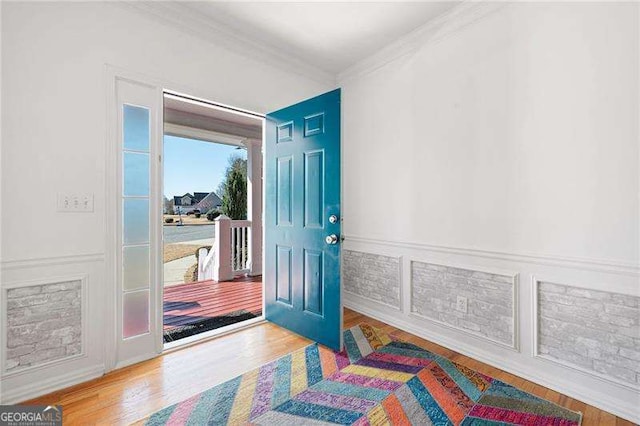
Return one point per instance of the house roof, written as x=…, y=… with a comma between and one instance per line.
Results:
x=200, y=195
x=204, y=201
x=177, y=199
x=209, y=202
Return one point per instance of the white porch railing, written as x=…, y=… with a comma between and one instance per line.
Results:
x=206, y=263
x=230, y=255
x=240, y=230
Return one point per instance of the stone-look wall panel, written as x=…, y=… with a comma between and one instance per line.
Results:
x=595, y=330
x=44, y=323
x=435, y=290
x=373, y=276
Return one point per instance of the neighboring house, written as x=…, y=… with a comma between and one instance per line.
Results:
x=188, y=202
x=209, y=202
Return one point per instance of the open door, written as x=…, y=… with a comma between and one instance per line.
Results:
x=302, y=219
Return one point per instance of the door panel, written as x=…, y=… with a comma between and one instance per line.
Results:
x=285, y=191
x=283, y=275
x=313, y=282
x=313, y=189
x=302, y=270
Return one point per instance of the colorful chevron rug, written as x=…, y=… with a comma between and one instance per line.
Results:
x=373, y=381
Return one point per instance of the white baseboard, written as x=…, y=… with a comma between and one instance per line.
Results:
x=589, y=389
x=36, y=389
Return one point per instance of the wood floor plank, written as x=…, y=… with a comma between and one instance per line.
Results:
x=132, y=393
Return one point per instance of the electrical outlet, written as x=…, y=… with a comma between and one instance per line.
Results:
x=461, y=304
x=75, y=203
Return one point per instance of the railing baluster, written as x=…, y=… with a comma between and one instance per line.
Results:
x=243, y=249
x=233, y=247
x=239, y=247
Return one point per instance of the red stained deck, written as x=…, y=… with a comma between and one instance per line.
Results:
x=186, y=304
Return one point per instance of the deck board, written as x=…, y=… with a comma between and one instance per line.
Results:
x=188, y=303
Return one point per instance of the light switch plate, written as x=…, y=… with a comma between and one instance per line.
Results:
x=75, y=203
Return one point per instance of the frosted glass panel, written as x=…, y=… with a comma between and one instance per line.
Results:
x=135, y=221
x=136, y=174
x=135, y=274
x=136, y=128
x=135, y=308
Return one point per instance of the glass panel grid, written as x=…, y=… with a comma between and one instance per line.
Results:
x=135, y=313
x=135, y=265
x=136, y=130
x=135, y=221
x=135, y=174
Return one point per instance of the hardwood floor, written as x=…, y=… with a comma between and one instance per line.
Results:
x=130, y=394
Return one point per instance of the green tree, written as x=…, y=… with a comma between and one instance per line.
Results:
x=233, y=189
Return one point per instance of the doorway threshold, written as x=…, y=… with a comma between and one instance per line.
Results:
x=212, y=334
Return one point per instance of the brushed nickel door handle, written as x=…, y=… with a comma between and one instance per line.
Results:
x=331, y=239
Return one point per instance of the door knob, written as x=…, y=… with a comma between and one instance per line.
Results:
x=333, y=219
x=332, y=239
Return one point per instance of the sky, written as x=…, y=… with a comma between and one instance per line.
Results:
x=195, y=166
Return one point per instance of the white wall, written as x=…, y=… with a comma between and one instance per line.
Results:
x=54, y=136
x=54, y=56
x=511, y=143
x=518, y=134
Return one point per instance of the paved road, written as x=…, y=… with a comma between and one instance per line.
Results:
x=178, y=234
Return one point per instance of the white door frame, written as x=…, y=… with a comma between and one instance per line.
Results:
x=112, y=224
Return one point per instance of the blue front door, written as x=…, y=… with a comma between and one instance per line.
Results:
x=302, y=219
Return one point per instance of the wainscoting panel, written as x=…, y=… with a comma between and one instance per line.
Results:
x=372, y=276
x=595, y=331
x=490, y=300
x=44, y=323
x=498, y=284
x=51, y=325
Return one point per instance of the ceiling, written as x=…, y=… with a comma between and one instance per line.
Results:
x=199, y=115
x=194, y=107
x=331, y=36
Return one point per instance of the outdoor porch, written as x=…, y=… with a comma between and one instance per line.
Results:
x=207, y=305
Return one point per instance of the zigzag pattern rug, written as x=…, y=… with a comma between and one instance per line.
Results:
x=373, y=381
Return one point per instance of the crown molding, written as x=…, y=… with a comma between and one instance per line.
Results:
x=437, y=29
x=180, y=16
